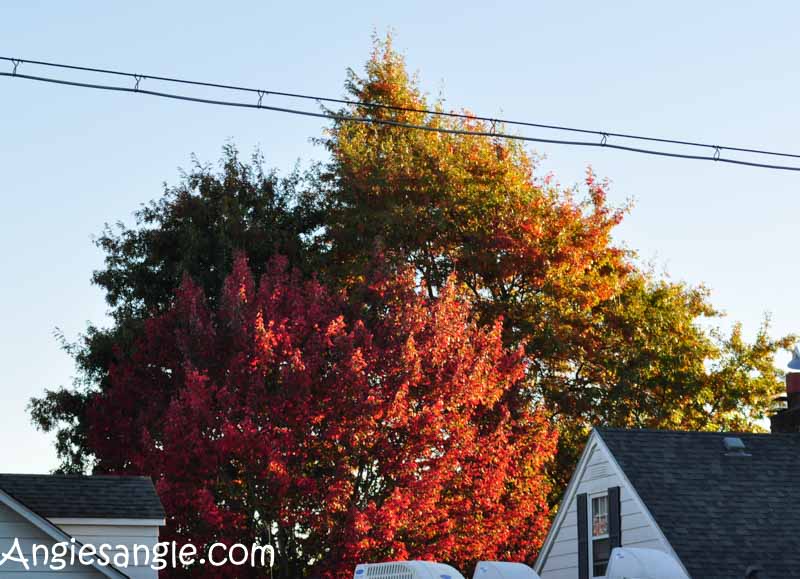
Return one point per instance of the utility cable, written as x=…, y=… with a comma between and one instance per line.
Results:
x=716, y=156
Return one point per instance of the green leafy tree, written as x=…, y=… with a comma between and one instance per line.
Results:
x=194, y=229
x=651, y=364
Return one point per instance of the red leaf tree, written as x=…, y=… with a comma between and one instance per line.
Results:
x=338, y=429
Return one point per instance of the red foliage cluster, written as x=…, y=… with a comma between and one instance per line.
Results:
x=340, y=430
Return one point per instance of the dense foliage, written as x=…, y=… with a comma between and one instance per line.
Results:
x=339, y=432
x=609, y=342
x=195, y=228
x=605, y=341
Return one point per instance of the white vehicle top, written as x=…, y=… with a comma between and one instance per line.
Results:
x=503, y=570
x=628, y=563
x=406, y=570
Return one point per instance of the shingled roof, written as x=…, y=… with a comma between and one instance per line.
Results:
x=722, y=511
x=94, y=497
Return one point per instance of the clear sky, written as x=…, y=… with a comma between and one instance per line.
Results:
x=72, y=159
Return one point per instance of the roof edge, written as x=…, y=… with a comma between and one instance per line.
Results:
x=565, y=499
x=112, y=521
x=601, y=429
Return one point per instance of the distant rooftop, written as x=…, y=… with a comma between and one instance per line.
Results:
x=91, y=497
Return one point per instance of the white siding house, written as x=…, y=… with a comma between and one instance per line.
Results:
x=126, y=532
x=719, y=505
x=597, y=472
x=14, y=526
x=38, y=511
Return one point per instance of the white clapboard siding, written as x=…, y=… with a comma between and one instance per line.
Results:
x=597, y=472
x=118, y=533
x=13, y=526
x=14, y=569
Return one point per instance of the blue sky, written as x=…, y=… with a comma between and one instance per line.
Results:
x=73, y=159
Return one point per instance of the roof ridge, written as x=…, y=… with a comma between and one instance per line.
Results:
x=87, y=496
x=76, y=475
x=602, y=429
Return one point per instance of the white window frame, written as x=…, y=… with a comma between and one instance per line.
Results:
x=590, y=508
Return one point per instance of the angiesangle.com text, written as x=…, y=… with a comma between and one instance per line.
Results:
x=57, y=556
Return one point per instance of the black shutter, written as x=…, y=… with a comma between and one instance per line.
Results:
x=583, y=537
x=614, y=518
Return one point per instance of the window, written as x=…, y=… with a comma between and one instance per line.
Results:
x=601, y=542
x=600, y=516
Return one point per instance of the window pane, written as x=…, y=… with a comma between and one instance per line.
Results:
x=599, y=516
x=601, y=551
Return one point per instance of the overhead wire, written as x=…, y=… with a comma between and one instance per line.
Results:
x=716, y=156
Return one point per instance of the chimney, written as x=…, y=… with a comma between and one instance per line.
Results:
x=788, y=419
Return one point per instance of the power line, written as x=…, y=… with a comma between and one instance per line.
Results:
x=503, y=121
x=603, y=143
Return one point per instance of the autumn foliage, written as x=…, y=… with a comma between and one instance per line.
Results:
x=394, y=393
x=610, y=343
x=339, y=430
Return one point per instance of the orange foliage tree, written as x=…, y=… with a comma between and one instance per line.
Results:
x=610, y=343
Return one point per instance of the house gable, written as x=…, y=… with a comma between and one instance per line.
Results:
x=597, y=471
x=18, y=522
x=122, y=512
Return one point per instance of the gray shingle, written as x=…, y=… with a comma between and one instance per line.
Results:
x=722, y=512
x=99, y=497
